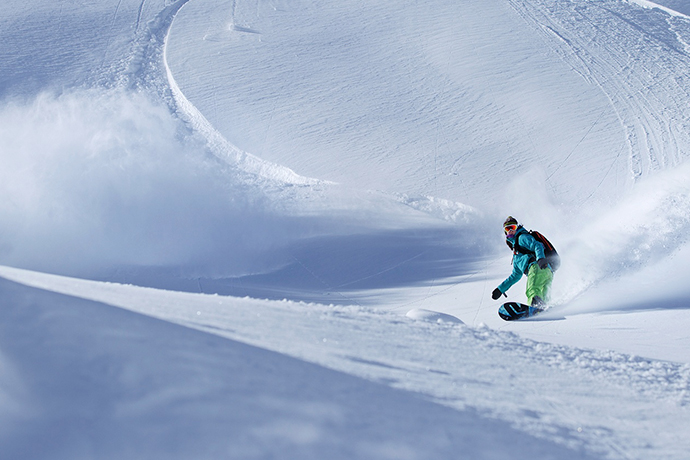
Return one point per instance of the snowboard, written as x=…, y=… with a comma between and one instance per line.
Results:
x=511, y=311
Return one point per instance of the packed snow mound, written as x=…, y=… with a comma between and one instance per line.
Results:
x=422, y=314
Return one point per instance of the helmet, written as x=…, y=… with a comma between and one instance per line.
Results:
x=510, y=221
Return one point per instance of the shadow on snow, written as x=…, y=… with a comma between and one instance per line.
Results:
x=325, y=268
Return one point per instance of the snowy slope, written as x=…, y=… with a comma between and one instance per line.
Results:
x=106, y=383
x=566, y=402
x=419, y=98
x=356, y=159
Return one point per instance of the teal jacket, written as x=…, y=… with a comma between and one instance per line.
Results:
x=522, y=262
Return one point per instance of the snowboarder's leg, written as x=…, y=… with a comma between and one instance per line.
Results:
x=538, y=283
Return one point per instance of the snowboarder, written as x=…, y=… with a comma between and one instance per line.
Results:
x=528, y=259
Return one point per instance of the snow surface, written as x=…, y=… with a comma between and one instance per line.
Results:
x=270, y=229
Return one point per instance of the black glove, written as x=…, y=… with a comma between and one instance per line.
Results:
x=496, y=294
x=542, y=263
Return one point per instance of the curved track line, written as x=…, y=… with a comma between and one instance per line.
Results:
x=216, y=142
x=139, y=15
x=149, y=56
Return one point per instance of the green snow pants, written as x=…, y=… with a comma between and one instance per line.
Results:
x=538, y=283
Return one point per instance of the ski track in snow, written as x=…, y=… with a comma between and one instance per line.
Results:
x=602, y=52
x=139, y=15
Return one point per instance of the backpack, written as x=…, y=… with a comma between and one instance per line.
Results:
x=550, y=252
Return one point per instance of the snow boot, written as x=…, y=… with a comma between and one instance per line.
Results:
x=538, y=303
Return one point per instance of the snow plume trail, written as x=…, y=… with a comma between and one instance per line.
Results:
x=100, y=178
x=644, y=232
x=633, y=248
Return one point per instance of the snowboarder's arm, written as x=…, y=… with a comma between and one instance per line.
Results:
x=511, y=280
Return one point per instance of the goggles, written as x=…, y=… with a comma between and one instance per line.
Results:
x=510, y=228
